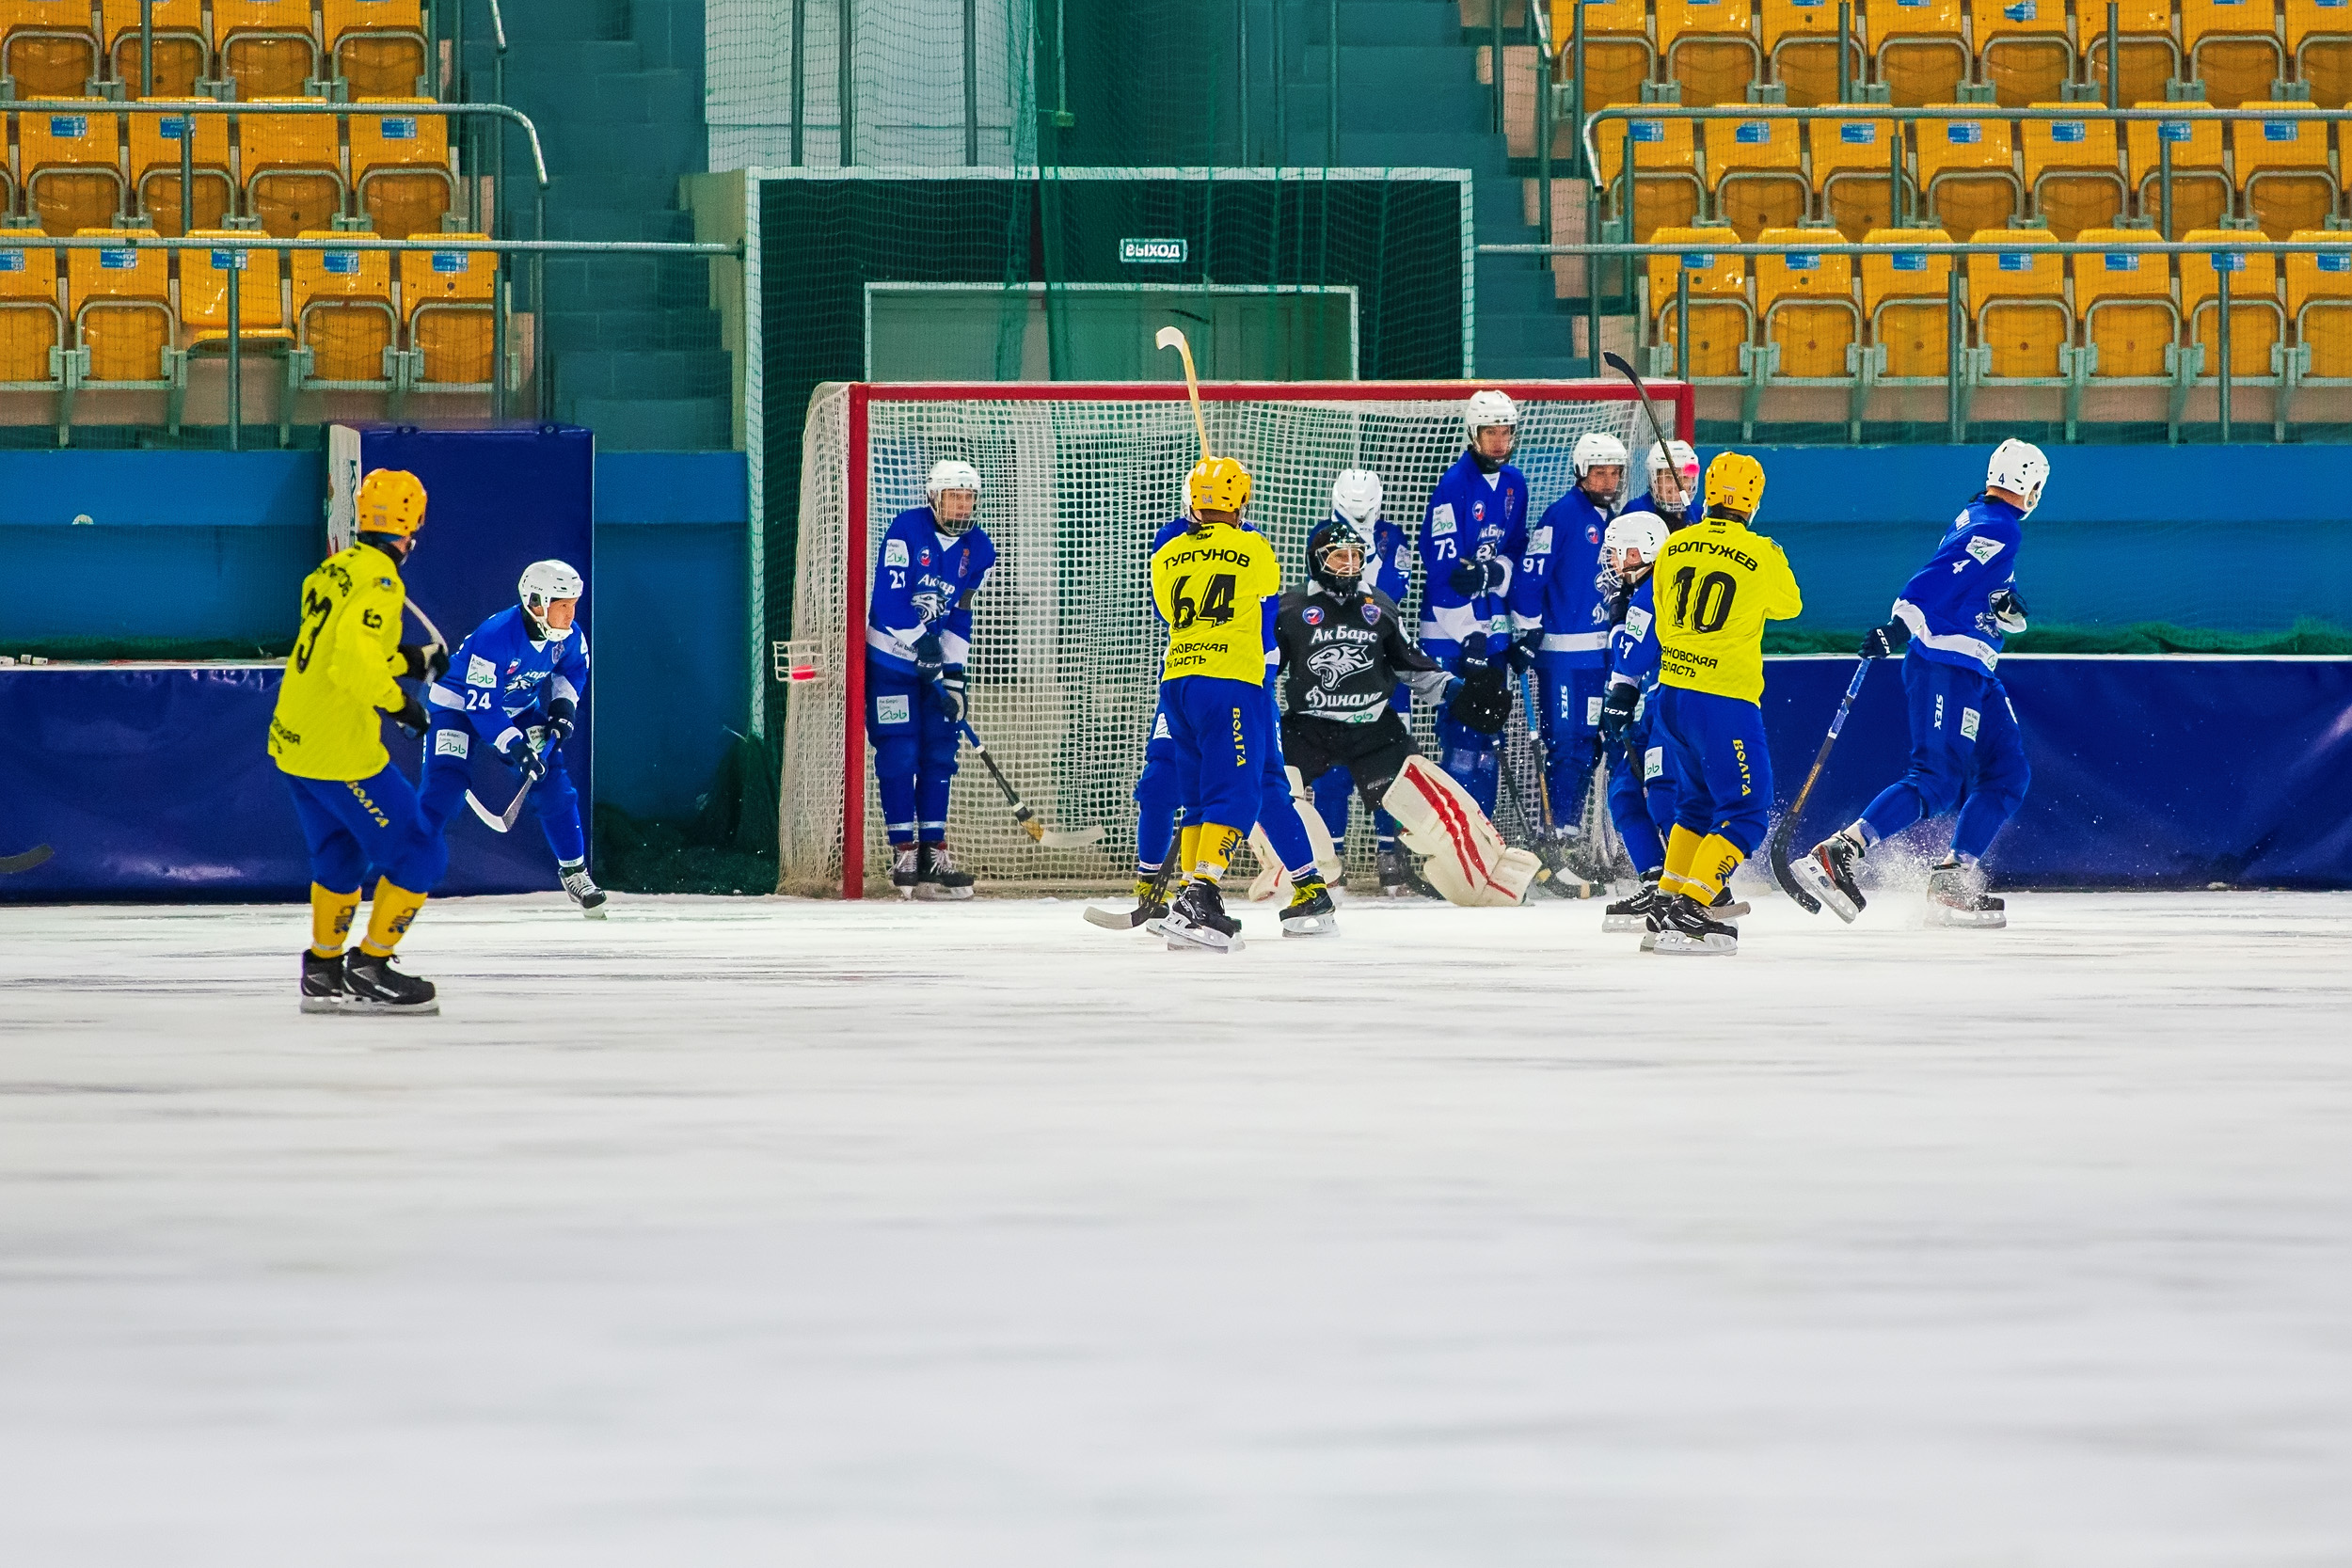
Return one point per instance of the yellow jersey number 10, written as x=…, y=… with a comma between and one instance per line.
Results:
x=1713, y=598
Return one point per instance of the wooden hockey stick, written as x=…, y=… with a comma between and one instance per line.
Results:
x=1786, y=833
x=1026, y=819
x=1173, y=337
x=39, y=854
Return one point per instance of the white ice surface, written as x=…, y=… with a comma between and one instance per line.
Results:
x=746, y=1232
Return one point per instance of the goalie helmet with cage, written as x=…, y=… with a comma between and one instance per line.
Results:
x=1335, y=557
x=543, y=583
x=2020, y=468
x=1356, y=495
x=948, y=476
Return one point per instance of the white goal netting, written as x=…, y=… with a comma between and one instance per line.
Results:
x=1066, y=646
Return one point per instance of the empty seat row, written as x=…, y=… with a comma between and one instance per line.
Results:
x=267, y=48
x=94, y=166
x=2118, y=315
x=130, y=316
x=1971, y=171
x=1920, y=51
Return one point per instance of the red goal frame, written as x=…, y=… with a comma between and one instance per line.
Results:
x=862, y=394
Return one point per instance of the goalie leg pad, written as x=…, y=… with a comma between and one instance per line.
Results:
x=1467, y=862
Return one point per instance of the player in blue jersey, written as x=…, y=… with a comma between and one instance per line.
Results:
x=513, y=688
x=1674, y=483
x=1472, y=533
x=1966, y=747
x=1641, y=787
x=1356, y=496
x=1560, y=613
x=918, y=639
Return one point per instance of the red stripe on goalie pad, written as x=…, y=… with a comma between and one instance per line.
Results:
x=1455, y=819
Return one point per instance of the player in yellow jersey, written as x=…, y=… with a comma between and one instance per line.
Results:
x=1716, y=582
x=1209, y=583
x=326, y=737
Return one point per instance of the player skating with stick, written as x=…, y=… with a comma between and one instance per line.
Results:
x=1472, y=533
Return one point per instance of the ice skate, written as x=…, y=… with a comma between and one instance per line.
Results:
x=1628, y=915
x=1689, y=930
x=1956, y=897
x=583, y=889
x=1197, y=922
x=1398, y=879
x=376, y=986
x=937, y=877
x=1827, y=872
x=1311, y=913
x=322, y=986
x=902, y=873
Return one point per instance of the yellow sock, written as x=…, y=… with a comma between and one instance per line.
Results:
x=1717, y=859
x=388, y=916
x=331, y=914
x=1215, y=848
x=1187, y=848
x=1682, y=848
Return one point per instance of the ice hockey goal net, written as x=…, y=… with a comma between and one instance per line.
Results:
x=1066, y=647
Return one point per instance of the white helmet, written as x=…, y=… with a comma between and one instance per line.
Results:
x=1596, y=449
x=1356, y=495
x=544, y=582
x=1490, y=408
x=947, y=474
x=1678, y=456
x=1645, y=531
x=2019, y=467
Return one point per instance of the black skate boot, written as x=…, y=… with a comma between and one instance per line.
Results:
x=1197, y=922
x=936, y=876
x=376, y=986
x=1630, y=914
x=1687, y=930
x=583, y=888
x=323, y=987
x=902, y=873
x=1956, y=897
x=1828, y=870
x=1400, y=878
x=1310, y=914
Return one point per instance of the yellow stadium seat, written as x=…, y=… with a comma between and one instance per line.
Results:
x=2283, y=167
x=1757, y=170
x=1801, y=44
x=451, y=299
x=266, y=46
x=155, y=167
x=2319, y=302
x=181, y=57
x=377, y=46
x=123, y=324
x=1617, y=53
x=1964, y=169
x=1922, y=57
x=2147, y=57
x=2020, y=301
x=2023, y=49
x=399, y=168
x=204, y=294
x=2258, y=325
x=50, y=49
x=1720, y=318
x=2124, y=301
x=1805, y=302
x=2072, y=174
x=32, y=323
x=2233, y=48
x=72, y=167
x=1708, y=47
x=292, y=167
x=1856, y=165
x=2200, y=189
x=1905, y=299
x=1666, y=188
x=2319, y=41
x=344, y=319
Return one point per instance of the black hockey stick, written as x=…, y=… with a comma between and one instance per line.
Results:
x=1657, y=432
x=1786, y=833
x=37, y=855
x=1022, y=817
x=1127, y=920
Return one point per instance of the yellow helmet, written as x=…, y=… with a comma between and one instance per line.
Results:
x=1735, y=481
x=1219, y=484
x=390, y=500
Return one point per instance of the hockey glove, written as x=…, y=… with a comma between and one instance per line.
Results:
x=428, y=663
x=2009, y=612
x=950, y=689
x=521, y=757
x=1483, y=702
x=412, y=716
x=1617, y=709
x=928, y=657
x=1884, y=641
x=562, y=718
x=1523, y=654
x=1473, y=578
